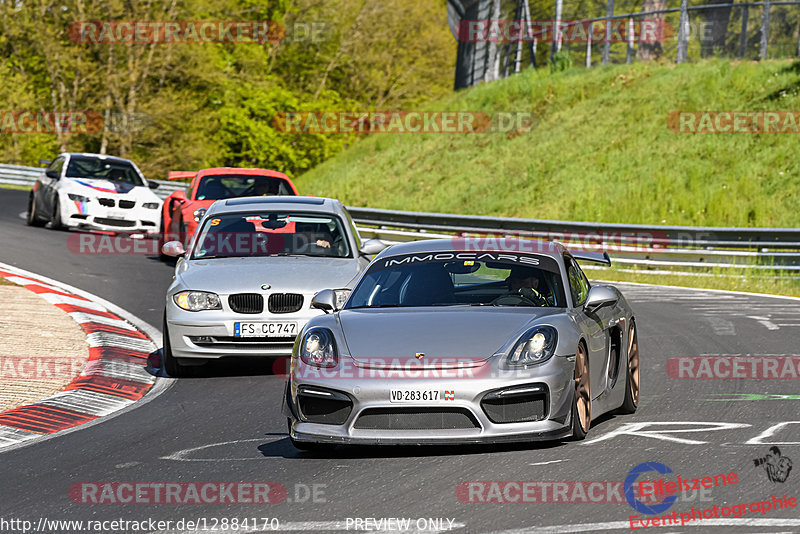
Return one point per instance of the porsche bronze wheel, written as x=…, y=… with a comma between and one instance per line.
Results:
x=631, y=401
x=582, y=403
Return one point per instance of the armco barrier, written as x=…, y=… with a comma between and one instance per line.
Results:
x=26, y=176
x=628, y=244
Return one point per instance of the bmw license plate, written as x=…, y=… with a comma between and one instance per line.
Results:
x=268, y=329
x=416, y=395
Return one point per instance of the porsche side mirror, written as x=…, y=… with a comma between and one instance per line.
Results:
x=152, y=185
x=329, y=300
x=179, y=195
x=372, y=247
x=324, y=300
x=173, y=248
x=51, y=173
x=600, y=296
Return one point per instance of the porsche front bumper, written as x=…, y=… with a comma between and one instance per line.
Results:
x=535, y=405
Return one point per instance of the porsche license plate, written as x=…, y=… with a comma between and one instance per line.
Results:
x=415, y=395
x=266, y=329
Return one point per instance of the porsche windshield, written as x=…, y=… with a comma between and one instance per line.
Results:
x=493, y=280
x=230, y=186
x=271, y=234
x=120, y=172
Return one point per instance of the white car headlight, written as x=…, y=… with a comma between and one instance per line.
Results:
x=536, y=346
x=77, y=198
x=150, y=205
x=318, y=348
x=197, y=300
x=199, y=214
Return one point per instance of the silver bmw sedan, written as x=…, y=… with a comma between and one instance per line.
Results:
x=245, y=284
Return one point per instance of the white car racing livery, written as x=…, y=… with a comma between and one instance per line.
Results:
x=94, y=192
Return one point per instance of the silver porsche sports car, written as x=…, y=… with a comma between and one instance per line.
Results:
x=441, y=341
x=244, y=286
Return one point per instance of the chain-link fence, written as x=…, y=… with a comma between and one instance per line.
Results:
x=500, y=37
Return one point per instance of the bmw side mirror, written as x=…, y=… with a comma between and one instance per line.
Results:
x=330, y=300
x=152, y=185
x=372, y=247
x=173, y=248
x=600, y=296
x=51, y=173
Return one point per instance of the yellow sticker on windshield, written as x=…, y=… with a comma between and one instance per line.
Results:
x=469, y=263
x=215, y=222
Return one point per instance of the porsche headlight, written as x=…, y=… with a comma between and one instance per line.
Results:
x=536, y=346
x=150, y=205
x=199, y=214
x=77, y=198
x=197, y=300
x=318, y=348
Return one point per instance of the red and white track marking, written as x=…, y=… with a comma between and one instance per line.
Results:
x=114, y=376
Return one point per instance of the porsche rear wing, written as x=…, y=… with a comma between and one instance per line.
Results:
x=180, y=175
x=597, y=257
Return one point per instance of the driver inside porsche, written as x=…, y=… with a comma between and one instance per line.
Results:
x=529, y=283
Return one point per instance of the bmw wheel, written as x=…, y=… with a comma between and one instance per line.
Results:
x=33, y=218
x=55, y=219
x=582, y=400
x=168, y=361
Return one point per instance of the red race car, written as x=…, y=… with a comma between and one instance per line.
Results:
x=183, y=210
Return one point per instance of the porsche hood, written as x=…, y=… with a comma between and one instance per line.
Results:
x=401, y=334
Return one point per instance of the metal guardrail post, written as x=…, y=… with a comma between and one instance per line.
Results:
x=609, y=20
x=589, y=47
x=743, y=40
x=798, y=38
x=762, y=52
x=629, y=52
x=683, y=33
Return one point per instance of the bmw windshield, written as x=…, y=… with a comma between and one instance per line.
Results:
x=460, y=279
x=271, y=234
x=92, y=168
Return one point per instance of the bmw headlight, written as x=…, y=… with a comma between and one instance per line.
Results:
x=536, y=346
x=197, y=300
x=150, y=205
x=199, y=214
x=318, y=348
x=77, y=198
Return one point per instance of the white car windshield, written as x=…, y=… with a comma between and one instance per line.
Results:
x=271, y=234
x=116, y=171
x=447, y=279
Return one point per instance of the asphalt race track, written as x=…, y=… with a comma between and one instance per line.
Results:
x=224, y=425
